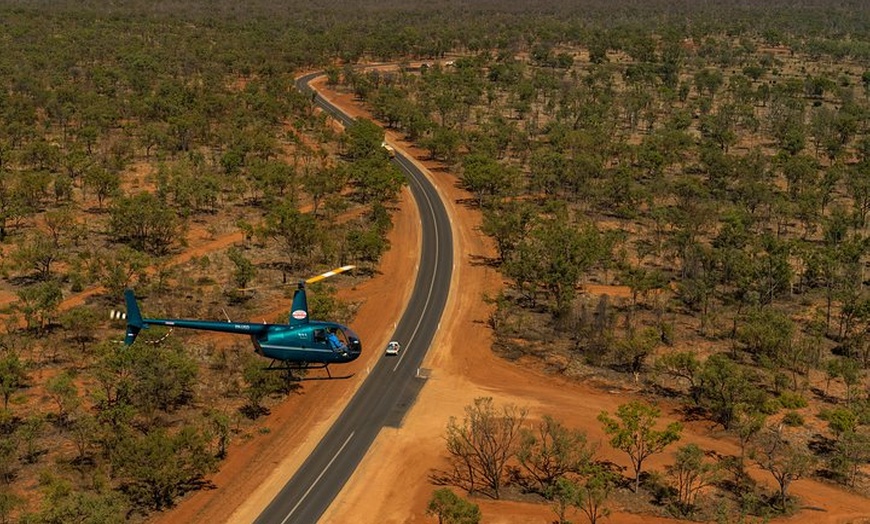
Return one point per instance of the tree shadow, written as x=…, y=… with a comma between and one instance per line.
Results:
x=666, y=392
x=692, y=413
x=483, y=260
x=441, y=478
x=821, y=445
x=25, y=280
x=253, y=412
x=83, y=461
x=824, y=396
x=468, y=202
x=201, y=484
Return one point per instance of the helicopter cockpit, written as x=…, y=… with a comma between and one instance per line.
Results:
x=338, y=339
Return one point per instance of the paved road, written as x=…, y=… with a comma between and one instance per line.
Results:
x=392, y=385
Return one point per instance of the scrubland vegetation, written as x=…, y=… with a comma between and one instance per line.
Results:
x=678, y=195
x=681, y=208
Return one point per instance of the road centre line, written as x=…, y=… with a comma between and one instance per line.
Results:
x=337, y=453
x=405, y=164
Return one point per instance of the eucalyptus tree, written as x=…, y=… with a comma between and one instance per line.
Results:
x=40, y=253
x=553, y=257
x=296, y=231
x=858, y=185
x=719, y=127
x=38, y=303
x=64, y=503
x=787, y=125
x=786, y=461
x=691, y=474
x=726, y=389
x=507, y=222
x=551, y=451
x=851, y=453
x=363, y=139
x=633, y=432
x=452, y=509
x=375, y=180
x=488, y=179
x=81, y=323
x=274, y=180
x=767, y=335
x=156, y=468
x=595, y=490
x=102, y=182
x=442, y=143
x=145, y=223
x=708, y=81
x=13, y=375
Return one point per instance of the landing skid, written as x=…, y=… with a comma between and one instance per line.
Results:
x=290, y=367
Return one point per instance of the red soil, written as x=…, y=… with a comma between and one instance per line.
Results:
x=392, y=484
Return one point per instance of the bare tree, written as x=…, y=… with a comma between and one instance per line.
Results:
x=481, y=445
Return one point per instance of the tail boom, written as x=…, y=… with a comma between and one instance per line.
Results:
x=136, y=323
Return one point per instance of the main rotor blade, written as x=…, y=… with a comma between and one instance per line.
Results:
x=328, y=274
x=311, y=280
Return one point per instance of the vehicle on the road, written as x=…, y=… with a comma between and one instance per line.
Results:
x=393, y=348
x=389, y=149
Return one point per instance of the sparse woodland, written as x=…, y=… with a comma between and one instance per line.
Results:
x=680, y=207
x=678, y=195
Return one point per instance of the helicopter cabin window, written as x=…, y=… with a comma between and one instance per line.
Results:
x=331, y=338
x=334, y=340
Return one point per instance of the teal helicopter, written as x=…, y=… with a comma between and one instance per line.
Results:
x=302, y=343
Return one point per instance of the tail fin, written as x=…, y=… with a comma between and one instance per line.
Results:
x=133, y=316
x=299, y=309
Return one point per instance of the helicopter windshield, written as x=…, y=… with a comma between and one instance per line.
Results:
x=351, y=339
x=337, y=338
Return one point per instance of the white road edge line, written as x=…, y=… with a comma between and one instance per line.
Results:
x=337, y=453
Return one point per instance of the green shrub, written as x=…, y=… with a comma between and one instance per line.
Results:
x=793, y=419
x=790, y=400
x=770, y=406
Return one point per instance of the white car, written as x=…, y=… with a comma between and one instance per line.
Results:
x=393, y=348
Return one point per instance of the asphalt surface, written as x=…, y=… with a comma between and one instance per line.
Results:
x=394, y=381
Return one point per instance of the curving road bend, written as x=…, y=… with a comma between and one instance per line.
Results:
x=391, y=387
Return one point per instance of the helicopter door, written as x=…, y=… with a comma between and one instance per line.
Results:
x=320, y=340
x=326, y=339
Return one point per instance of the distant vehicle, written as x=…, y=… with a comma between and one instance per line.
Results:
x=389, y=149
x=393, y=348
